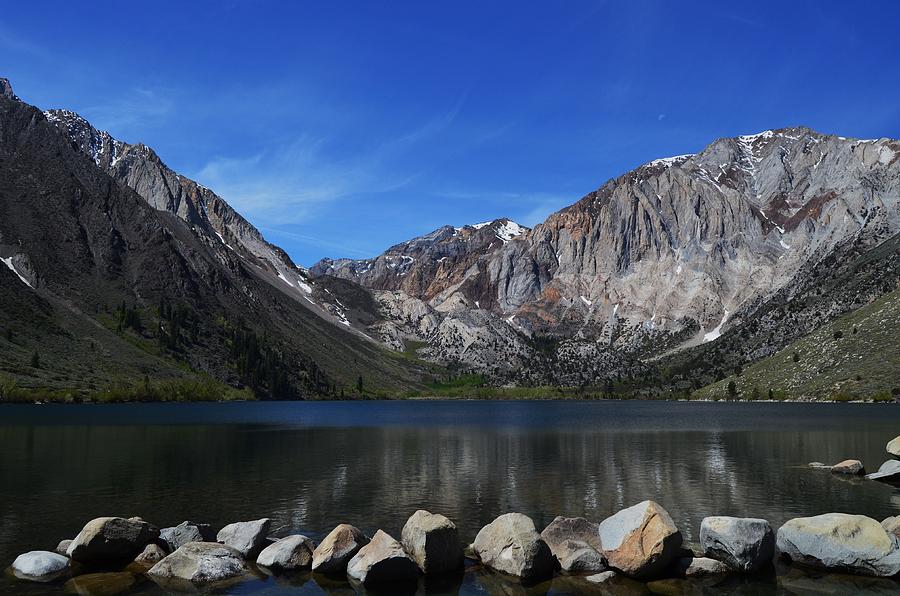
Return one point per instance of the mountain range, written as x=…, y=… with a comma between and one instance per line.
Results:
x=674, y=276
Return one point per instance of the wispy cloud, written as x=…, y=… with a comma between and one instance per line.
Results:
x=527, y=208
x=131, y=111
x=341, y=248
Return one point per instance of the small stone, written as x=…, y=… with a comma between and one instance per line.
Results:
x=640, y=541
x=432, y=540
x=101, y=584
x=336, y=549
x=382, y=560
x=109, y=539
x=853, y=467
x=151, y=555
x=891, y=525
x=289, y=553
x=248, y=538
x=889, y=471
x=841, y=542
x=819, y=465
x=63, y=546
x=512, y=545
x=200, y=563
x=744, y=543
x=187, y=531
x=602, y=577
x=40, y=566
x=702, y=567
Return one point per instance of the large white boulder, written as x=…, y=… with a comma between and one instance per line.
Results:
x=640, y=541
x=512, y=545
x=40, y=566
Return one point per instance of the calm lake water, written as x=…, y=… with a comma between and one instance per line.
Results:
x=310, y=466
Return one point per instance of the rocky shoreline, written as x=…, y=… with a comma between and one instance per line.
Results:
x=639, y=544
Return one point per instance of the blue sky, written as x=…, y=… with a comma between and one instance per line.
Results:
x=340, y=128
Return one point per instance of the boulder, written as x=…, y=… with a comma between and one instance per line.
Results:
x=101, y=584
x=432, y=541
x=701, y=567
x=63, y=546
x=382, y=560
x=289, y=553
x=248, y=538
x=512, y=545
x=841, y=542
x=151, y=555
x=336, y=549
x=744, y=543
x=187, y=531
x=640, y=541
x=891, y=525
x=108, y=539
x=40, y=566
x=200, y=563
x=893, y=447
x=854, y=467
x=889, y=471
x=575, y=542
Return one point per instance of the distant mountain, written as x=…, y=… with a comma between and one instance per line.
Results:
x=663, y=259
x=119, y=271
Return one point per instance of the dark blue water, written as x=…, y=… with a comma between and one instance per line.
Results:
x=309, y=466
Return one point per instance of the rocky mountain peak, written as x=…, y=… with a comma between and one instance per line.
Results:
x=6, y=89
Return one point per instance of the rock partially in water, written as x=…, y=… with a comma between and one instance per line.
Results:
x=432, y=540
x=575, y=542
x=888, y=472
x=151, y=555
x=200, y=563
x=744, y=543
x=512, y=545
x=602, y=577
x=40, y=566
x=893, y=447
x=854, y=467
x=819, y=465
x=63, y=546
x=891, y=525
x=640, y=541
x=841, y=542
x=109, y=539
x=187, y=531
x=288, y=554
x=336, y=549
x=248, y=538
x=382, y=560
x=102, y=584
x=701, y=567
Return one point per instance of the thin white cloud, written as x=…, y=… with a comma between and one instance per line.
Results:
x=129, y=112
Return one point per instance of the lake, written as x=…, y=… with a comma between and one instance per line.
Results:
x=312, y=465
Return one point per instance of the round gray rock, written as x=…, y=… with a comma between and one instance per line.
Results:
x=108, y=539
x=336, y=549
x=248, y=538
x=187, y=531
x=40, y=566
x=575, y=542
x=289, y=553
x=744, y=543
x=512, y=545
x=200, y=563
x=640, y=541
x=432, y=540
x=382, y=560
x=841, y=542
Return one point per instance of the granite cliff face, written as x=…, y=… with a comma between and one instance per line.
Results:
x=670, y=255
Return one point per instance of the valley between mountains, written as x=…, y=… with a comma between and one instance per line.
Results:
x=764, y=266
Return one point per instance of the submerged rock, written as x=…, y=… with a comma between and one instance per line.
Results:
x=841, y=542
x=102, y=584
x=336, y=549
x=640, y=541
x=512, y=545
x=575, y=542
x=107, y=539
x=40, y=566
x=889, y=471
x=382, y=560
x=200, y=563
x=819, y=465
x=848, y=466
x=432, y=540
x=744, y=543
x=187, y=531
x=248, y=538
x=288, y=554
